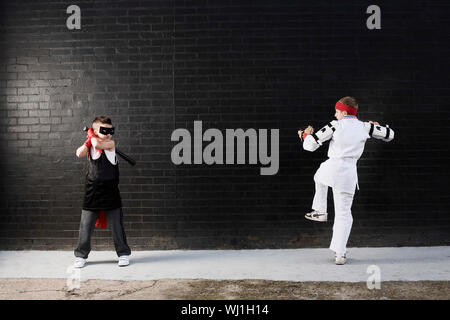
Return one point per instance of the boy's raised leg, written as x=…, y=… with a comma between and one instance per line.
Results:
x=320, y=198
x=319, y=205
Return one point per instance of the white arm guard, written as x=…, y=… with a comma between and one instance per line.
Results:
x=315, y=140
x=379, y=132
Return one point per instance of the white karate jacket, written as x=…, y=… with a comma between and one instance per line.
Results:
x=346, y=147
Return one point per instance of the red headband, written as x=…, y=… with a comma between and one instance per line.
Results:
x=344, y=107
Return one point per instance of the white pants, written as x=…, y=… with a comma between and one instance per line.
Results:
x=342, y=215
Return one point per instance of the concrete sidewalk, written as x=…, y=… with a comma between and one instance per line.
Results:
x=395, y=264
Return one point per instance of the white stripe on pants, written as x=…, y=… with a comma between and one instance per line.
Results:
x=343, y=219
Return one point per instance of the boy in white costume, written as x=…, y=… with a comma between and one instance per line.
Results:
x=348, y=136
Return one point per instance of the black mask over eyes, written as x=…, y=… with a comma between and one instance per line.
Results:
x=106, y=131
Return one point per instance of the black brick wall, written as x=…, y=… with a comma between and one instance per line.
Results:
x=154, y=66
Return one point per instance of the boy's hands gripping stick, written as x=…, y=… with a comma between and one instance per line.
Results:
x=91, y=134
x=304, y=132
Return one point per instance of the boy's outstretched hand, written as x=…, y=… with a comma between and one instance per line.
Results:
x=302, y=133
x=374, y=122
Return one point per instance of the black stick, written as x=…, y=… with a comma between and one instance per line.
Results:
x=124, y=156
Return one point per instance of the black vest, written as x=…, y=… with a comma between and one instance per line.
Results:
x=102, y=184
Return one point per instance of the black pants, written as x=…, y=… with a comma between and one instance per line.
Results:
x=87, y=224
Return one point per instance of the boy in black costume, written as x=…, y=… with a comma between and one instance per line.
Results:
x=102, y=197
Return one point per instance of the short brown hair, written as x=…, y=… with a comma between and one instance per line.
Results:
x=349, y=101
x=102, y=119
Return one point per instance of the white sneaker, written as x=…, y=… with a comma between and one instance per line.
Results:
x=340, y=260
x=79, y=262
x=123, y=261
x=317, y=216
